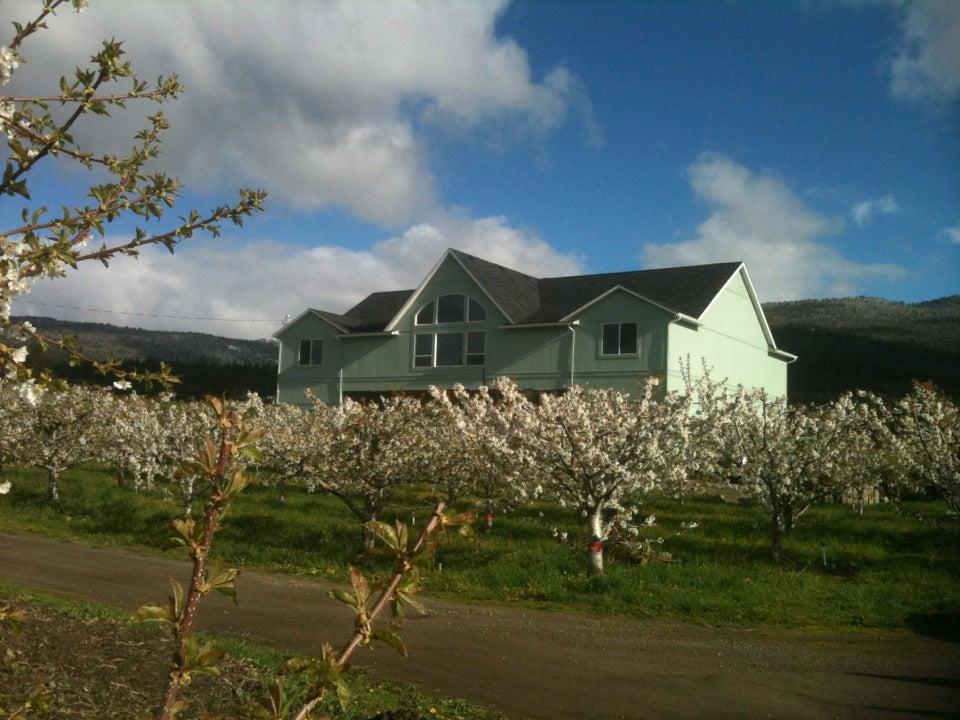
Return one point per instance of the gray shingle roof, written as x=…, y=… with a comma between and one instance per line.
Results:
x=517, y=294
x=686, y=290
x=376, y=310
x=527, y=299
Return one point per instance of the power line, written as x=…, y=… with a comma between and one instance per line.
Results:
x=150, y=315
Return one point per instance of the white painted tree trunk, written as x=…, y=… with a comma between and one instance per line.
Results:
x=596, y=543
x=53, y=485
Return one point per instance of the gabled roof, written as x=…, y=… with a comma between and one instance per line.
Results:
x=516, y=293
x=525, y=300
x=684, y=290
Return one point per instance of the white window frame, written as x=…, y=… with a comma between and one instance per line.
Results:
x=619, y=324
x=467, y=299
x=466, y=349
x=433, y=321
x=310, y=360
x=433, y=349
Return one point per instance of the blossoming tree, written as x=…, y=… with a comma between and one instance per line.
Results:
x=786, y=458
x=600, y=452
x=463, y=448
x=62, y=430
x=366, y=451
x=928, y=423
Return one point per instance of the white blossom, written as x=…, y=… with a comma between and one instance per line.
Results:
x=9, y=61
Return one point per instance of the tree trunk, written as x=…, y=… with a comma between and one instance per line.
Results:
x=368, y=539
x=121, y=475
x=787, y=520
x=776, y=536
x=596, y=544
x=187, y=487
x=53, y=486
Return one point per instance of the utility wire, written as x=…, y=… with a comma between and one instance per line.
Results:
x=151, y=315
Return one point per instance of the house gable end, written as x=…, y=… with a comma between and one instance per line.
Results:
x=450, y=269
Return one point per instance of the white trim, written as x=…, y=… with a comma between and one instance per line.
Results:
x=723, y=287
x=782, y=355
x=420, y=288
x=538, y=325
x=306, y=312
x=380, y=333
x=612, y=290
x=681, y=317
x=619, y=323
x=752, y=293
x=756, y=306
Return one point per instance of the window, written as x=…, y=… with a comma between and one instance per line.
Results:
x=449, y=349
x=477, y=312
x=619, y=339
x=475, y=347
x=311, y=352
x=425, y=316
x=423, y=351
x=450, y=309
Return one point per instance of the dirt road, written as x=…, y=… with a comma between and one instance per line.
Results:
x=537, y=664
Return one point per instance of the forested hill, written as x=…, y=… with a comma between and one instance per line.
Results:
x=206, y=364
x=843, y=344
x=869, y=343
x=101, y=340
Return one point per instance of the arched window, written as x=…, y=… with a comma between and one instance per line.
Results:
x=451, y=309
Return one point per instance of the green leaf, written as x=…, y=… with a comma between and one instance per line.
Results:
x=387, y=534
x=176, y=599
x=390, y=638
x=153, y=613
x=344, y=597
x=360, y=586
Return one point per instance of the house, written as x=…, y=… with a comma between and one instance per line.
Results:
x=471, y=320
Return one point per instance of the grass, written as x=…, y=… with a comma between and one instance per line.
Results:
x=97, y=664
x=885, y=569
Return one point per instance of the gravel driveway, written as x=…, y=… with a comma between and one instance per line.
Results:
x=550, y=665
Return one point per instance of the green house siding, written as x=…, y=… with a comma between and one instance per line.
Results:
x=293, y=378
x=624, y=372
x=731, y=340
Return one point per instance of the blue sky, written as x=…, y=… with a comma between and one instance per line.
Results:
x=819, y=142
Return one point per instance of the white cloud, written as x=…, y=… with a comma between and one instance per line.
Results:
x=927, y=66
x=757, y=218
x=268, y=279
x=863, y=212
x=952, y=234
x=320, y=103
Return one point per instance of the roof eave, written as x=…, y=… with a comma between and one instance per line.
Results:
x=569, y=316
x=308, y=311
x=380, y=333
x=782, y=355
x=525, y=326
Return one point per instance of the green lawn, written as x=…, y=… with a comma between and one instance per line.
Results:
x=884, y=570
